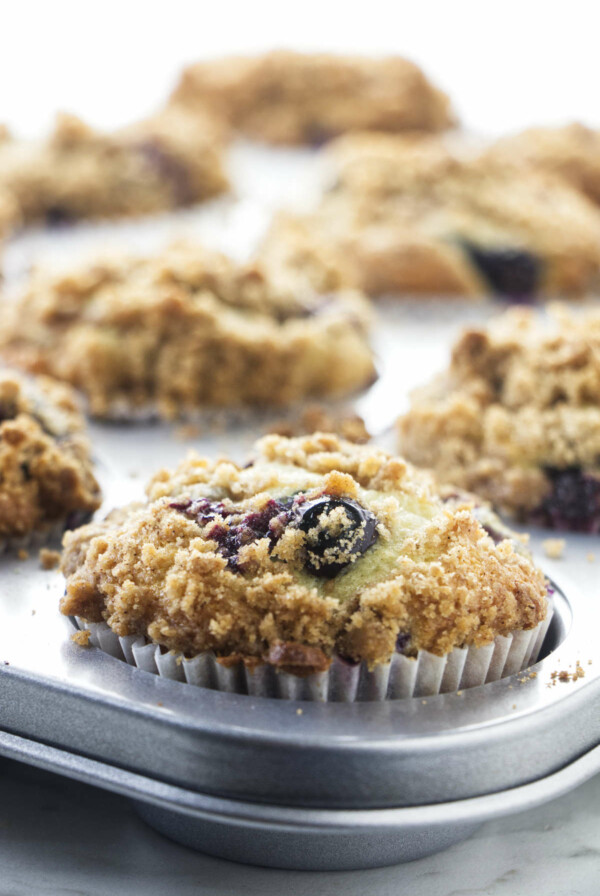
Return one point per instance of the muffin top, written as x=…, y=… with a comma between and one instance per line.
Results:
x=420, y=215
x=317, y=544
x=288, y=97
x=571, y=152
x=45, y=459
x=186, y=328
x=519, y=403
x=159, y=163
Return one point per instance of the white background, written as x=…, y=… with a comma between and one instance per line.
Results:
x=506, y=64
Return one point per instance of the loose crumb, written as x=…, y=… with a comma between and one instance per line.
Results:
x=22, y=554
x=565, y=676
x=82, y=637
x=591, y=558
x=554, y=548
x=49, y=559
x=299, y=712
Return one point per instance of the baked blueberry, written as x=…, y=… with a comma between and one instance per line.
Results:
x=513, y=273
x=573, y=503
x=337, y=531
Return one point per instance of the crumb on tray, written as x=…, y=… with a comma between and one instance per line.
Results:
x=82, y=637
x=554, y=548
x=49, y=559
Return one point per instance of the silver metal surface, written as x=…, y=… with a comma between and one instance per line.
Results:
x=332, y=786
x=302, y=838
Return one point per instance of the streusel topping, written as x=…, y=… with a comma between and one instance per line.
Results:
x=418, y=216
x=45, y=459
x=318, y=543
x=519, y=403
x=287, y=97
x=161, y=163
x=185, y=329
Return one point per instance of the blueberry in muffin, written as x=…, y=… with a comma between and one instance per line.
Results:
x=317, y=551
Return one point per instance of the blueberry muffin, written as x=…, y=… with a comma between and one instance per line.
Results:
x=187, y=329
x=46, y=477
x=572, y=152
x=516, y=418
x=317, y=550
x=286, y=97
x=161, y=163
x=415, y=216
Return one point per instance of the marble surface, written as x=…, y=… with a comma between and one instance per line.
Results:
x=59, y=837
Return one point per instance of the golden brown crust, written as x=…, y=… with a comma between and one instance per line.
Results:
x=161, y=163
x=45, y=463
x=571, y=152
x=403, y=215
x=198, y=577
x=521, y=397
x=287, y=97
x=186, y=329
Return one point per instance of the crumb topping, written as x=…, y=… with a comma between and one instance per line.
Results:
x=517, y=416
x=412, y=215
x=317, y=543
x=184, y=329
x=45, y=459
x=157, y=164
x=288, y=97
x=571, y=152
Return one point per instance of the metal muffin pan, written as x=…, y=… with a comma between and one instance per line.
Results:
x=287, y=784
x=282, y=783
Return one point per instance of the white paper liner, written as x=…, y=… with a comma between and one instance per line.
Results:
x=424, y=676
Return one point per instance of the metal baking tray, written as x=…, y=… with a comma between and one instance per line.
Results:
x=279, y=783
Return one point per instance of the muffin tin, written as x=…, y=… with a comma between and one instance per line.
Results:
x=283, y=783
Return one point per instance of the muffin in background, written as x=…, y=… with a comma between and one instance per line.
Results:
x=186, y=329
x=46, y=476
x=289, y=98
x=427, y=217
x=161, y=163
x=516, y=417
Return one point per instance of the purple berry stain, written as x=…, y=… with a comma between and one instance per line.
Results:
x=327, y=551
x=573, y=503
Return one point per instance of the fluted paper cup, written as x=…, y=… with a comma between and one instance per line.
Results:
x=425, y=675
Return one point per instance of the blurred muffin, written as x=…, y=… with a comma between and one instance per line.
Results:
x=415, y=216
x=46, y=477
x=571, y=152
x=161, y=163
x=287, y=97
x=186, y=329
